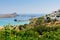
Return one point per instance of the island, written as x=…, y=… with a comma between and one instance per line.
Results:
x=8, y=15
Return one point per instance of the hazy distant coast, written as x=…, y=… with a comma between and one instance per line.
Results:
x=8, y=15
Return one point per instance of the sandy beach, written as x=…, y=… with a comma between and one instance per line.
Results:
x=1, y=27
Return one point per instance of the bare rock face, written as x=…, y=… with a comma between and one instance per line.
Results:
x=8, y=15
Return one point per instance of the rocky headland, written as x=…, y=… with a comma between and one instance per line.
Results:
x=8, y=15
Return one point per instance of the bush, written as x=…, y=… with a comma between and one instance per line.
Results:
x=41, y=32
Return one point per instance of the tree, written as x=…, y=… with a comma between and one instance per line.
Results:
x=48, y=19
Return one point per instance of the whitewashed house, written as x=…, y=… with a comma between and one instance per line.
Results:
x=54, y=15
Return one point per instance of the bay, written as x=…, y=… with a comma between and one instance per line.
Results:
x=5, y=21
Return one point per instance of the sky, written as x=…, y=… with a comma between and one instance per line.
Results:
x=29, y=6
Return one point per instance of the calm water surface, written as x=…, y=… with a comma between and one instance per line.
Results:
x=5, y=21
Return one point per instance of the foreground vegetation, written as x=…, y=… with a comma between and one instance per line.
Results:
x=38, y=29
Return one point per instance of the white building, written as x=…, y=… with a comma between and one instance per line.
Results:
x=54, y=15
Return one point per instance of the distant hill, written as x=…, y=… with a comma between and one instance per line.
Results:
x=8, y=15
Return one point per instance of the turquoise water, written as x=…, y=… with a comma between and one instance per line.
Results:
x=5, y=21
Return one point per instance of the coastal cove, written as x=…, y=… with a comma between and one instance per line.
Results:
x=5, y=21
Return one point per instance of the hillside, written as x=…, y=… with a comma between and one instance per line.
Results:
x=37, y=29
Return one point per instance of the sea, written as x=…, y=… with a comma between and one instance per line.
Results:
x=10, y=21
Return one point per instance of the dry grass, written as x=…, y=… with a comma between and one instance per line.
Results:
x=53, y=23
